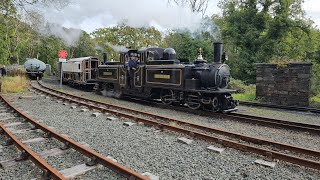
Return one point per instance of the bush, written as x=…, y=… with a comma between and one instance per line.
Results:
x=315, y=101
x=15, y=70
x=14, y=84
x=237, y=85
x=245, y=92
x=315, y=82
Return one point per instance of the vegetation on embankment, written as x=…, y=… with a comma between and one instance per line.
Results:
x=248, y=92
x=244, y=92
x=14, y=84
x=315, y=101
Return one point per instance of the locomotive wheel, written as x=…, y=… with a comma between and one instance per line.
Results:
x=193, y=101
x=166, y=96
x=215, y=104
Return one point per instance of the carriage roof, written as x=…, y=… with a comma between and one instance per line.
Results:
x=81, y=59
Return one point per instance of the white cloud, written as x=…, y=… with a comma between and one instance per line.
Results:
x=312, y=8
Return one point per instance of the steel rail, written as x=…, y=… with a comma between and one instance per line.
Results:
x=236, y=116
x=292, y=108
x=311, y=128
x=205, y=128
x=26, y=153
x=94, y=156
x=229, y=143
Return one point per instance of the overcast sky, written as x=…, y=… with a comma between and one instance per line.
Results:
x=93, y=14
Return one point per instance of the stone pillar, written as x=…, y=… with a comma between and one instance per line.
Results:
x=284, y=85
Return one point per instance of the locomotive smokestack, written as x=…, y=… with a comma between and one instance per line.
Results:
x=217, y=52
x=105, y=58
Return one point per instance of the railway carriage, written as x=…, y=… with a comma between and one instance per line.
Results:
x=160, y=75
x=80, y=71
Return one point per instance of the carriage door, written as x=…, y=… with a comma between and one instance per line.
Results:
x=138, y=73
x=87, y=69
x=94, y=68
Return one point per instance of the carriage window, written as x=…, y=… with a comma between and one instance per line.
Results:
x=79, y=66
x=150, y=55
x=142, y=57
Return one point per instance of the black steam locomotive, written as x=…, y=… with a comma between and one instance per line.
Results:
x=160, y=75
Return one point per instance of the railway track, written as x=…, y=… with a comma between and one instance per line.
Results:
x=273, y=150
x=292, y=108
x=7, y=127
x=275, y=123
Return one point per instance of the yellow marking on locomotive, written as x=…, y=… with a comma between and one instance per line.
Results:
x=107, y=73
x=162, y=76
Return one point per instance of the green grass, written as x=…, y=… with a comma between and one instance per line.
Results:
x=246, y=92
x=315, y=101
x=14, y=84
x=61, y=90
x=244, y=97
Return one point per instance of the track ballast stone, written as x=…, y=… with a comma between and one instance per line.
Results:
x=144, y=150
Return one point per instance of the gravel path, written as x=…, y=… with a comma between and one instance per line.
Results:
x=144, y=150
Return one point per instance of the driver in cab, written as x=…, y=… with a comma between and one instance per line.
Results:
x=133, y=63
x=132, y=66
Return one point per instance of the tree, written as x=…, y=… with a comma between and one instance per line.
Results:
x=84, y=47
x=195, y=5
x=187, y=47
x=109, y=39
x=16, y=35
x=261, y=30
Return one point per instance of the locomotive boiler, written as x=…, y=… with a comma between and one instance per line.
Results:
x=160, y=75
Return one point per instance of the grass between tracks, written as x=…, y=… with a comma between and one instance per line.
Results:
x=14, y=84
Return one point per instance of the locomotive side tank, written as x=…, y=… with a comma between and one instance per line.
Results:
x=160, y=75
x=34, y=68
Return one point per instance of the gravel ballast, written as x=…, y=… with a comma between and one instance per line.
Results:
x=145, y=150
x=303, y=139
x=26, y=169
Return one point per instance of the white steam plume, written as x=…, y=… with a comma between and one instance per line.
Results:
x=90, y=15
x=117, y=48
x=69, y=36
x=94, y=14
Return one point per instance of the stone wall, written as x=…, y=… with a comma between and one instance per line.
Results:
x=289, y=85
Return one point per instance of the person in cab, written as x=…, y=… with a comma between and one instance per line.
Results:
x=132, y=66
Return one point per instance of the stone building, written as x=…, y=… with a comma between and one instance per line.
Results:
x=284, y=85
